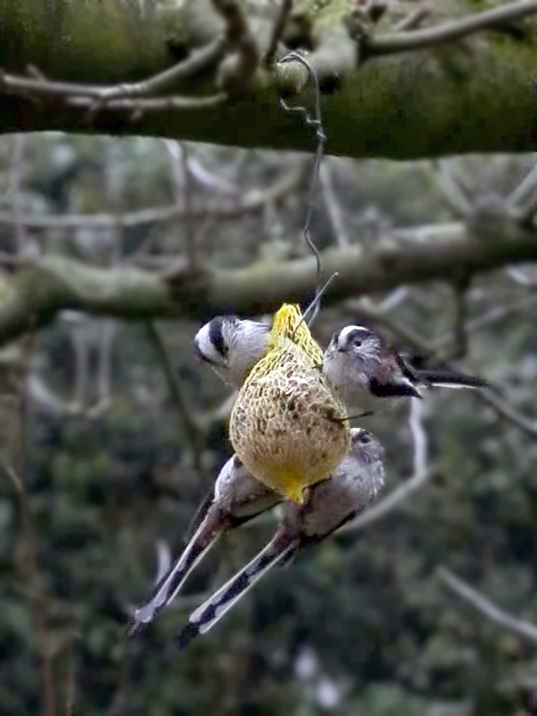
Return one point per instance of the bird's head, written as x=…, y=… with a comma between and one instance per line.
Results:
x=232, y=346
x=356, y=340
x=367, y=444
x=212, y=341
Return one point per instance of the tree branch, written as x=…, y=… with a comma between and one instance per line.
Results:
x=191, y=426
x=407, y=108
x=15, y=176
x=422, y=254
x=509, y=412
x=522, y=628
x=452, y=192
x=26, y=553
x=421, y=474
x=277, y=31
x=159, y=83
x=448, y=31
x=251, y=201
x=236, y=72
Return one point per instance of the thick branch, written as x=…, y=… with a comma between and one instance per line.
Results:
x=410, y=256
x=430, y=103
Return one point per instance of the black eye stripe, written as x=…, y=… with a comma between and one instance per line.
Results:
x=216, y=336
x=358, y=335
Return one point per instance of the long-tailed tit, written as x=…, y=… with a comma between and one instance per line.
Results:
x=367, y=375
x=232, y=346
x=332, y=503
x=237, y=497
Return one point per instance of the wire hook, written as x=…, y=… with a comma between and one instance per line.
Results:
x=315, y=121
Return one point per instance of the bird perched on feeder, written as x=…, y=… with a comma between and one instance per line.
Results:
x=232, y=346
x=286, y=425
x=236, y=498
x=367, y=375
x=332, y=503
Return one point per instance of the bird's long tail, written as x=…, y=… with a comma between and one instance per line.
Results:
x=212, y=610
x=167, y=588
x=451, y=379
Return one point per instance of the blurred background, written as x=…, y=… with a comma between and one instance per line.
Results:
x=112, y=432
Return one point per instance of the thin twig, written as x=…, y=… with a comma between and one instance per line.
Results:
x=421, y=474
x=89, y=98
x=80, y=342
x=365, y=307
x=198, y=61
x=518, y=275
x=413, y=19
x=40, y=85
x=15, y=176
x=447, y=31
x=240, y=38
x=277, y=31
x=183, y=195
x=28, y=562
x=521, y=627
x=452, y=191
x=460, y=337
x=252, y=201
x=209, y=180
x=70, y=685
x=524, y=196
x=138, y=107
x=508, y=411
x=333, y=207
x=394, y=299
x=190, y=425
x=486, y=319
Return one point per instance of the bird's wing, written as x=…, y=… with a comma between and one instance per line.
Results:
x=391, y=389
x=406, y=369
x=214, y=608
x=392, y=377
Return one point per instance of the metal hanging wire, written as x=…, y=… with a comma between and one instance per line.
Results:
x=312, y=119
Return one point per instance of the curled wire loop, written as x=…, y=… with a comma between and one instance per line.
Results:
x=312, y=119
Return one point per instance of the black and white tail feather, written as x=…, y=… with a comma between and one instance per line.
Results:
x=332, y=503
x=169, y=585
x=277, y=552
x=235, y=499
x=449, y=379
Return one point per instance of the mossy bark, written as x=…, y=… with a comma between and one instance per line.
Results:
x=479, y=95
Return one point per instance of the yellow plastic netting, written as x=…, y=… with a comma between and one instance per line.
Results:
x=286, y=424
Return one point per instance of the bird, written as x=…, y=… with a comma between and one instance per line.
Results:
x=366, y=375
x=232, y=346
x=286, y=425
x=236, y=498
x=333, y=502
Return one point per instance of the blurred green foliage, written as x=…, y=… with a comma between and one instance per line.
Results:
x=382, y=635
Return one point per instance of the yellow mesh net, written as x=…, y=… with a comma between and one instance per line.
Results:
x=288, y=323
x=286, y=424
